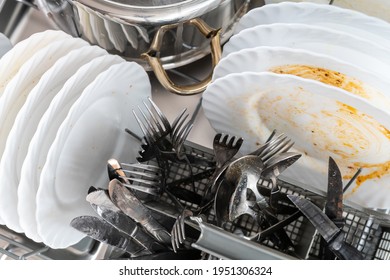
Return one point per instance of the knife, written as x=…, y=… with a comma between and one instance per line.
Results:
x=333, y=205
x=102, y=231
x=134, y=208
x=105, y=208
x=334, y=200
x=332, y=234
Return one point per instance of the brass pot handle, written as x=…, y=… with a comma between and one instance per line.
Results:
x=161, y=74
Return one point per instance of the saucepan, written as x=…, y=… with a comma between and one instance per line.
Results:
x=158, y=34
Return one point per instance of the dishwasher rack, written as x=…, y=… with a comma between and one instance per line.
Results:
x=366, y=229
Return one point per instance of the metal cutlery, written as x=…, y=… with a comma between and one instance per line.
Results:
x=243, y=174
x=146, y=178
x=246, y=171
x=224, y=150
x=102, y=231
x=274, y=167
x=135, y=209
x=105, y=208
x=271, y=147
x=333, y=205
x=155, y=126
x=331, y=233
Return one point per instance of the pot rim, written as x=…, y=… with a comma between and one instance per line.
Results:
x=155, y=15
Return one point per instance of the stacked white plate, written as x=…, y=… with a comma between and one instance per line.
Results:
x=320, y=74
x=64, y=108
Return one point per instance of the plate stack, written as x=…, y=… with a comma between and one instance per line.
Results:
x=64, y=108
x=320, y=74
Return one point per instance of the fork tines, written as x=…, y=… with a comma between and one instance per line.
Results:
x=143, y=177
x=153, y=123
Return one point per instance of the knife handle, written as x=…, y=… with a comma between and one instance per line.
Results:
x=343, y=250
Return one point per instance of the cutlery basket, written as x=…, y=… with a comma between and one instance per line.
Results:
x=367, y=230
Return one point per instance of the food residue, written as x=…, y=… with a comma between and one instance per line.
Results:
x=325, y=76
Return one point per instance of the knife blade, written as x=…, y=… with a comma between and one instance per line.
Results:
x=102, y=231
x=334, y=201
x=333, y=205
x=134, y=208
x=106, y=209
x=331, y=233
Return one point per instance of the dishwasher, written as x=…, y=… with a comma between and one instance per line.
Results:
x=366, y=229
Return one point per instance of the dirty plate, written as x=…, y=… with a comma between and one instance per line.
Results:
x=322, y=120
x=336, y=18
x=92, y=133
x=343, y=46
x=310, y=65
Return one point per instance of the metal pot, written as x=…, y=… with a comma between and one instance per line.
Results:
x=158, y=34
x=127, y=27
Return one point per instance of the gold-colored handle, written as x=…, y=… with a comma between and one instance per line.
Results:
x=161, y=74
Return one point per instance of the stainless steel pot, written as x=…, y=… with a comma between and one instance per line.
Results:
x=158, y=34
x=127, y=27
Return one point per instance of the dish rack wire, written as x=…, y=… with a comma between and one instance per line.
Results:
x=367, y=230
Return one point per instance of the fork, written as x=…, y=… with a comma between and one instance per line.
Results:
x=178, y=230
x=155, y=125
x=224, y=151
x=273, y=147
x=150, y=179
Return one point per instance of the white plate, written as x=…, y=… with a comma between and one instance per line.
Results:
x=92, y=133
x=26, y=122
x=323, y=121
x=310, y=65
x=15, y=96
x=5, y=44
x=45, y=134
x=343, y=46
x=329, y=16
x=11, y=62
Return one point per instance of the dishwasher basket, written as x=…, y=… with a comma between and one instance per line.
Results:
x=367, y=230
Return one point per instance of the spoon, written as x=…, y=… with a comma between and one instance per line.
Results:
x=244, y=173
